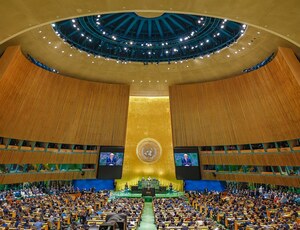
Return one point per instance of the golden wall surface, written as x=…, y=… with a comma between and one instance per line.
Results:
x=149, y=118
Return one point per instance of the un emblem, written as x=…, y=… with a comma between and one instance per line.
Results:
x=148, y=150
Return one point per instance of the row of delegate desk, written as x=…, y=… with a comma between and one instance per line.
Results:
x=237, y=222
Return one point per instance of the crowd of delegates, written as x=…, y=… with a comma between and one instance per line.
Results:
x=50, y=211
x=64, y=208
x=177, y=213
x=250, y=209
x=32, y=191
x=68, y=208
x=22, y=193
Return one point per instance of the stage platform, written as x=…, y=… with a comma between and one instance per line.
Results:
x=129, y=194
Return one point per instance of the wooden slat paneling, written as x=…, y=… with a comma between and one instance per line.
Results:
x=293, y=181
x=260, y=106
x=39, y=105
x=36, y=177
x=21, y=157
x=258, y=159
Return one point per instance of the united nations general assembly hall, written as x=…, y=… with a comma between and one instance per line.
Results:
x=150, y=115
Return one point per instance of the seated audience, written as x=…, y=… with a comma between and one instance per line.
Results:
x=239, y=209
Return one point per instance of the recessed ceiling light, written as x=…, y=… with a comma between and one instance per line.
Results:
x=150, y=54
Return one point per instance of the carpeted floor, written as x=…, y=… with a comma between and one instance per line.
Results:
x=147, y=222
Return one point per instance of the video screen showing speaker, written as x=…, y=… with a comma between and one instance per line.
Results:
x=110, y=162
x=187, y=163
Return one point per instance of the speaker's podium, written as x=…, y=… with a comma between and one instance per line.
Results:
x=148, y=192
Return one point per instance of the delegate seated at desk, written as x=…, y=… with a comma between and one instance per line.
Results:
x=111, y=160
x=186, y=161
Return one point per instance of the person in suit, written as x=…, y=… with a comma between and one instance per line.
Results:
x=186, y=161
x=171, y=187
x=111, y=160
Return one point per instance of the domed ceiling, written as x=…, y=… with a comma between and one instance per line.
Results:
x=165, y=38
x=30, y=27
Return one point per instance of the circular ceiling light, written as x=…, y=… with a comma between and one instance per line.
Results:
x=164, y=38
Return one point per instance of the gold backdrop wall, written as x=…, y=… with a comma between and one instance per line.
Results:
x=149, y=117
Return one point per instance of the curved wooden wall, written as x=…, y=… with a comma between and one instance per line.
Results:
x=255, y=159
x=21, y=157
x=293, y=181
x=42, y=106
x=36, y=177
x=260, y=106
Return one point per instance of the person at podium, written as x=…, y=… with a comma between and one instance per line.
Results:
x=186, y=161
x=126, y=187
x=111, y=160
x=171, y=187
